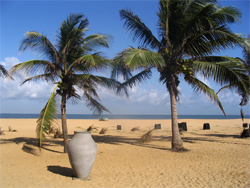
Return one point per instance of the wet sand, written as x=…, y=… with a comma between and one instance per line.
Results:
x=216, y=158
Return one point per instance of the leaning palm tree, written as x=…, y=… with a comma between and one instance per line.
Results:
x=69, y=65
x=189, y=33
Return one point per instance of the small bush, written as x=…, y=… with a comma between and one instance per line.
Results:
x=147, y=137
x=103, y=131
x=58, y=134
x=1, y=131
x=91, y=128
x=135, y=129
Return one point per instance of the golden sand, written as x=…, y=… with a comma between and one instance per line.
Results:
x=217, y=158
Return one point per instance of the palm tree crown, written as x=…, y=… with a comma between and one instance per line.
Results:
x=70, y=65
x=189, y=33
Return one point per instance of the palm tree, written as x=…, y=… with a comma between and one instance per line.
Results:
x=69, y=65
x=189, y=33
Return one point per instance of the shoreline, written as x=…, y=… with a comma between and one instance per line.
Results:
x=216, y=157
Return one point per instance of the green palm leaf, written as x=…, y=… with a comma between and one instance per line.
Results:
x=94, y=105
x=38, y=43
x=135, y=58
x=229, y=71
x=4, y=72
x=198, y=86
x=138, y=29
x=72, y=30
x=45, y=77
x=46, y=118
x=88, y=63
x=94, y=41
x=33, y=66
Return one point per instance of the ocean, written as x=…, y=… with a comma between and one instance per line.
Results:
x=109, y=116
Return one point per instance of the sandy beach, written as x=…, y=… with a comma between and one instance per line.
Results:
x=216, y=158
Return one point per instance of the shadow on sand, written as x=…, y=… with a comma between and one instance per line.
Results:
x=118, y=140
x=33, y=142
x=63, y=171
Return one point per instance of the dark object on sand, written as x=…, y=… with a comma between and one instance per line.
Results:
x=245, y=125
x=182, y=126
x=119, y=127
x=157, y=126
x=103, y=119
x=206, y=126
x=245, y=133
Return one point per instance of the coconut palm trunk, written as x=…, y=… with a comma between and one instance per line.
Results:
x=177, y=144
x=64, y=122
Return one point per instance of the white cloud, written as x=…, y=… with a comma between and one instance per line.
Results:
x=11, y=89
x=9, y=62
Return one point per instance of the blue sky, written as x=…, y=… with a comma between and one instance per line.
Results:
x=18, y=17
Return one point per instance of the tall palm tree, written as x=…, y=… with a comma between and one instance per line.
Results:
x=69, y=64
x=189, y=33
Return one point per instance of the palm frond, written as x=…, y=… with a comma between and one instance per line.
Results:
x=135, y=58
x=139, y=30
x=3, y=72
x=39, y=44
x=88, y=63
x=45, y=77
x=33, y=66
x=242, y=115
x=137, y=79
x=94, y=105
x=94, y=41
x=72, y=31
x=113, y=85
x=223, y=70
x=46, y=118
x=198, y=86
x=119, y=68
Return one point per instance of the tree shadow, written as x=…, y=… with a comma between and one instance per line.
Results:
x=63, y=171
x=18, y=140
x=33, y=142
x=223, y=135
x=118, y=140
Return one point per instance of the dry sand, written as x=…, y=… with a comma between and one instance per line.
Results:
x=217, y=157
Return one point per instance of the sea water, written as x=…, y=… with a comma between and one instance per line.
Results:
x=109, y=116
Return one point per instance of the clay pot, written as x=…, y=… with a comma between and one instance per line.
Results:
x=82, y=152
